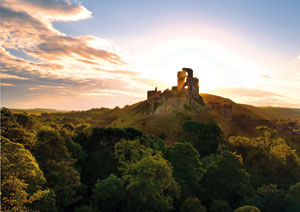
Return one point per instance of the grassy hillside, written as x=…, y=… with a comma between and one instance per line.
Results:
x=237, y=109
x=276, y=112
x=169, y=126
x=36, y=111
x=255, y=112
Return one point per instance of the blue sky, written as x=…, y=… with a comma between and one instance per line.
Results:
x=107, y=53
x=270, y=23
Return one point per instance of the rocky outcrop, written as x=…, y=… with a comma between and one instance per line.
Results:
x=224, y=110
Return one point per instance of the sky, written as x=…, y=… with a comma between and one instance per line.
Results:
x=78, y=55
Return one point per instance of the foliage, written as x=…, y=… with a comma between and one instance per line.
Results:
x=12, y=130
x=86, y=208
x=220, y=206
x=225, y=175
x=109, y=193
x=22, y=179
x=57, y=165
x=247, y=208
x=293, y=197
x=268, y=158
x=192, y=205
x=204, y=137
x=188, y=169
x=126, y=170
x=46, y=204
x=100, y=146
x=147, y=177
x=271, y=199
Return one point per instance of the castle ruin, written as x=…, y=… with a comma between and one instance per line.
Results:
x=186, y=92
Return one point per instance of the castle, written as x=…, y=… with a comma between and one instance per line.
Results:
x=186, y=92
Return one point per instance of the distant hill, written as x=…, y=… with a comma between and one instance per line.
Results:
x=255, y=112
x=243, y=120
x=165, y=126
x=275, y=112
x=37, y=110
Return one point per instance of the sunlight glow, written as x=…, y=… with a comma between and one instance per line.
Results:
x=214, y=63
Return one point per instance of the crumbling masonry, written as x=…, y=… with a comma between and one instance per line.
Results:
x=186, y=92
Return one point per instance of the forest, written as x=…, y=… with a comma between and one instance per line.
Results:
x=51, y=164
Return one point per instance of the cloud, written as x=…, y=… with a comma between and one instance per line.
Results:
x=58, y=47
x=6, y=84
x=8, y=76
x=245, y=92
x=49, y=10
x=38, y=39
x=265, y=76
x=49, y=63
x=257, y=97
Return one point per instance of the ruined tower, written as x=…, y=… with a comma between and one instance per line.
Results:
x=181, y=75
x=186, y=81
x=186, y=92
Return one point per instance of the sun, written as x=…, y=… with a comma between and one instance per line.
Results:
x=214, y=63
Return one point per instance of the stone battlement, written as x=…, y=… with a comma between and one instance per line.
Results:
x=186, y=92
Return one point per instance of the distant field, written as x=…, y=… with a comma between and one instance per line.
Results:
x=168, y=125
x=37, y=111
x=276, y=112
x=255, y=112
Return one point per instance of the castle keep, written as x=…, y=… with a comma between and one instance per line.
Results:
x=186, y=92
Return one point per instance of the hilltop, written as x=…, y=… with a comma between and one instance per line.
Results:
x=164, y=112
x=243, y=119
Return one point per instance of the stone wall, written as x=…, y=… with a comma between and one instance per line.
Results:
x=186, y=92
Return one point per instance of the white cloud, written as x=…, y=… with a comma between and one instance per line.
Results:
x=63, y=65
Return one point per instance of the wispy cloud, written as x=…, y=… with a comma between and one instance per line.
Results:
x=246, y=92
x=256, y=97
x=265, y=76
x=63, y=65
x=6, y=84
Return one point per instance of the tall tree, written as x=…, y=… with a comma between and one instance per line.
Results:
x=226, y=178
x=293, y=197
x=187, y=168
x=109, y=194
x=22, y=180
x=57, y=165
x=268, y=158
x=147, y=177
x=204, y=137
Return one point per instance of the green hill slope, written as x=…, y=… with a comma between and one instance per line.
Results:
x=275, y=112
x=169, y=126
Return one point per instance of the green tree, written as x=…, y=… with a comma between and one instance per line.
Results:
x=109, y=194
x=270, y=199
x=268, y=158
x=86, y=208
x=192, y=205
x=220, y=206
x=225, y=178
x=12, y=130
x=24, y=120
x=204, y=137
x=147, y=177
x=187, y=168
x=293, y=197
x=247, y=208
x=57, y=165
x=21, y=178
x=99, y=145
